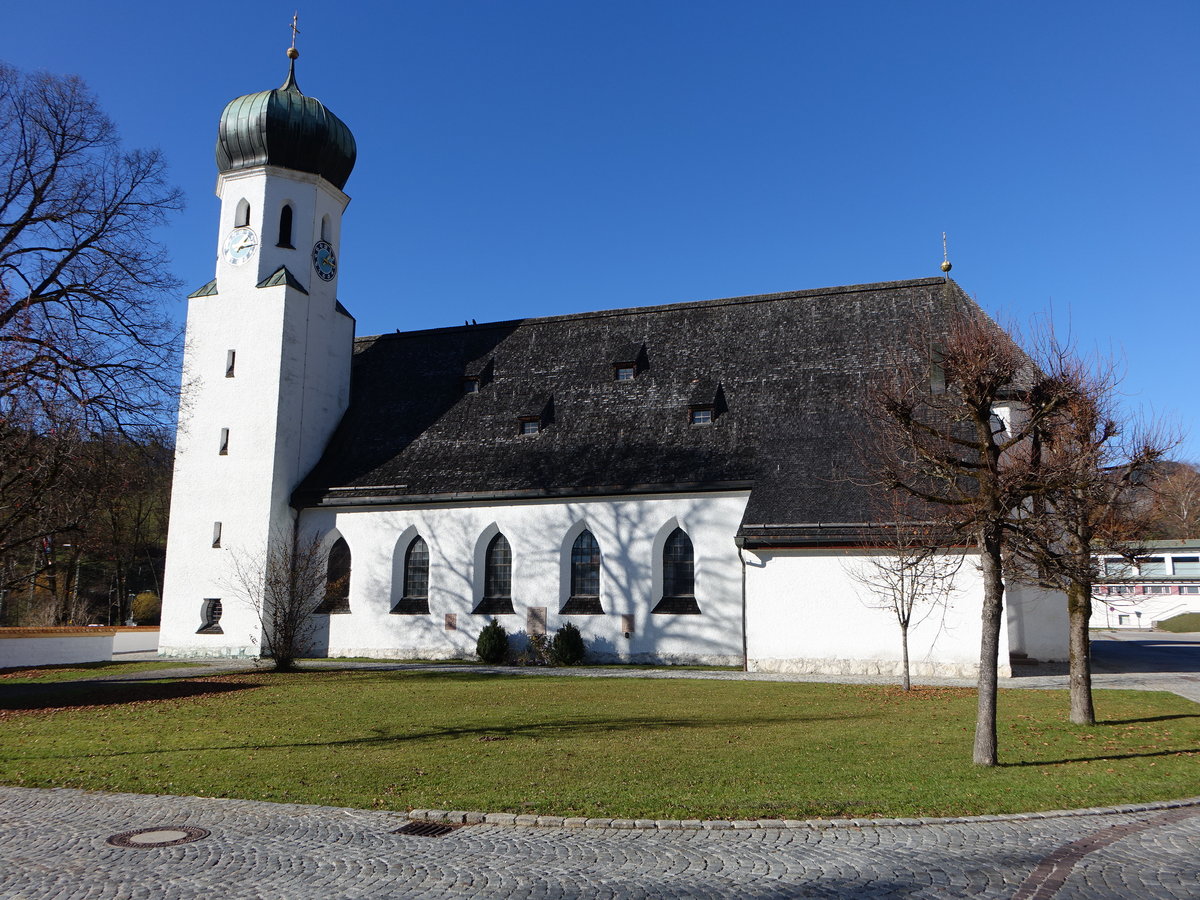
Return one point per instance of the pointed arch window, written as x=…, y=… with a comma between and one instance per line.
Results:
x=679, y=576
x=497, y=578
x=415, y=601
x=242, y=215
x=337, y=579
x=285, y=227
x=585, y=578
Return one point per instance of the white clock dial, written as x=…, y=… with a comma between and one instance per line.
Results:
x=240, y=245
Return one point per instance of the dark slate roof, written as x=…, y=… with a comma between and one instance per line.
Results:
x=783, y=373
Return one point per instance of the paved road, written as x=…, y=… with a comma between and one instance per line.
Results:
x=55, y=843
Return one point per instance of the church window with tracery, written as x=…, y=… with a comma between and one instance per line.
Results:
x=337, y=579
x=415, y=599
x=679, y=576
x=497, y=578
x=585, y=578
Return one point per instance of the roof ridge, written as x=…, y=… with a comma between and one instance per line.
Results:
x=833, y=290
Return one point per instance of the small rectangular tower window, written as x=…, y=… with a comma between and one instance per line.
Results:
x=224, y=451
x=451, y=621
x=230, y=359
x=216, y=535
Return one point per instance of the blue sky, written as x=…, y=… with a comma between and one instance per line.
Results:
x=533, y=157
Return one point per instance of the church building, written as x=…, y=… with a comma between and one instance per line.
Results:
x=681, y=482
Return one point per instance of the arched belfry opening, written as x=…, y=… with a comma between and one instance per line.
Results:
x=241, y=216
x=285, y=227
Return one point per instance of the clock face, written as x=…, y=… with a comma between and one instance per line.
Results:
x=324, y=260
x=240, y=245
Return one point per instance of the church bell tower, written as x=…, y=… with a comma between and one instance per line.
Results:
x=266, y=364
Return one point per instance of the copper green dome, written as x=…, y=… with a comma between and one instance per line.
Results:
x=285, y=128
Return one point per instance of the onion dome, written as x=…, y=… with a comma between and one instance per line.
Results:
x=285, y=128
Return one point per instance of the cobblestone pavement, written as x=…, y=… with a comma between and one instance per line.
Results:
x=53, y=844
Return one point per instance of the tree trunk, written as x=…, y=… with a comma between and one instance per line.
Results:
x=905, y=683
x=1079, y=610
x=989, y=651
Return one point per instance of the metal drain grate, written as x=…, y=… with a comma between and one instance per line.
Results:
x=426, y=829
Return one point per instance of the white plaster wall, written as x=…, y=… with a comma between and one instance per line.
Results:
x=630, y=532
x=1107, y=609
x=289, y=390
x=236, y=489
x=142, y=640
x=59, y=650
x=806, y=613
x=1037, y=622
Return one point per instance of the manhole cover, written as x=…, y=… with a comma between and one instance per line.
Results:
x=158, y=836
x=426, y=829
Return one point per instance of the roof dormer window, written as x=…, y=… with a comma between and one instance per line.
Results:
x=470, y=385
x=707, y=401
x=628, y=360
x=539, y=412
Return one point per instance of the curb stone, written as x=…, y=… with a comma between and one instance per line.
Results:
x=529, y=820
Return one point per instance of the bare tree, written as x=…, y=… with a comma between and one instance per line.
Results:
x=950, y=421
x=1089, y=461
x=1175, y=507
x=86, y=345
x=284, y=583
x=909, y=572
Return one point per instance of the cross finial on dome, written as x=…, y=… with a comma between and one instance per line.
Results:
x=290, y=84
x=292, y=51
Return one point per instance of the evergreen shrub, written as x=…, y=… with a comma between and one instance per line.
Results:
x=492, y=646
x=567, y=648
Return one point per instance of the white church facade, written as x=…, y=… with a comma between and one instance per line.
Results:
x=677, y=481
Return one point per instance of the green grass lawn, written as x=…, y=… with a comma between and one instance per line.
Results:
x=597, y=747
x=1182, y=623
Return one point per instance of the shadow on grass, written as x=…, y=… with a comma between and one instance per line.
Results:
x=67, y=695
x=1110, y=757
x=1148, y=719
x=487, y=733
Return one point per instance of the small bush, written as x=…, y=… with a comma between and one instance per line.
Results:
x=567, y=647
x=537, y=651
x=492, y=646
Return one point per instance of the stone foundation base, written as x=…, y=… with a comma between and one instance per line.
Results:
x=886, y=667
x=194, y=652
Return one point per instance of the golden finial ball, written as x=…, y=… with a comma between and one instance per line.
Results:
x=946, y=267
x=293, y=53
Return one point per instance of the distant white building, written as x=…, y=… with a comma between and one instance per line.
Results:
x=1163, y=584
x=678, y=481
